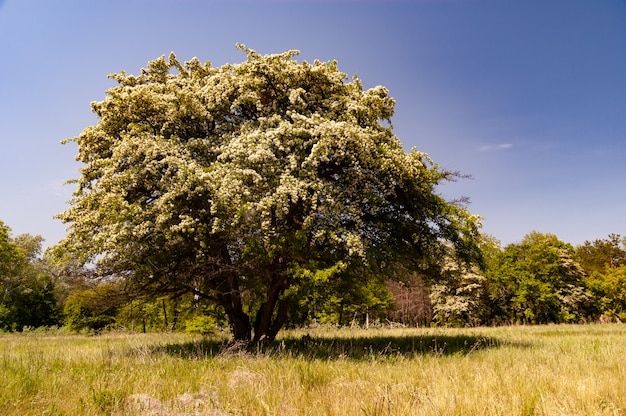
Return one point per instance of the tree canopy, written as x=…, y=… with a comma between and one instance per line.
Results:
x=27, y=291
x=604, y=261
x=601, y=253
x=243, y=183
x=537, y=281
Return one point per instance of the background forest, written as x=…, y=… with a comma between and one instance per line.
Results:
x=536, y=281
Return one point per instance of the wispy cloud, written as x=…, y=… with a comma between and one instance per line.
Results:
x=495, y=147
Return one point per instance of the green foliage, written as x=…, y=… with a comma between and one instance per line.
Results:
x=202, y=325
x=604, y=261
x=596, y=256
x=9, y=251
x=226, y=183
x=366, y=301
x=537, y=281
x=609, y=290
x=92, y=309
x=336, y=295
x=185, y=313
x=27, y=291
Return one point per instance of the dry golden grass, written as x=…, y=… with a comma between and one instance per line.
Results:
x=549, y=370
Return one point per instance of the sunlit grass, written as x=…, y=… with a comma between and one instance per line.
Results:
x=551, y=370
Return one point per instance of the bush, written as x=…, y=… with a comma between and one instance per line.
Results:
x=202, y=325
x=79, y=315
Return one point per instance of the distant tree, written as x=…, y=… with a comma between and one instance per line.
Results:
x=459, y=299
x=10, y=261
x=239, y=183
x=604, y=262
x=537, y=281
x=360, y=302
x=609, y=290
x=27, y=291
x=601, y=253
x=411, y=301
x=322, y=297
x=93, y=309
x=10, y=256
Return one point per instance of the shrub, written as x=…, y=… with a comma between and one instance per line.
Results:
x=202, y=325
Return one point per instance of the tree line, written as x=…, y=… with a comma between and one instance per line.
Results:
x=539, y=280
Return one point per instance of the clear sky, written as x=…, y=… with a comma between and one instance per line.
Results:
x=527, y=96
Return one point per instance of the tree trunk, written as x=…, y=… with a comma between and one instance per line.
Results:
x=279, y=320
x=267, y=323
x=238, y=320
x=164, y=312
x=240, y=325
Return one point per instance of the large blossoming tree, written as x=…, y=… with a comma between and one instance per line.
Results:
x=245, y=183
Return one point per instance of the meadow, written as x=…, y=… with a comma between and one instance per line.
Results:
x=517, y=370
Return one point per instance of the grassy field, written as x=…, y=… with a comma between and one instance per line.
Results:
x=540, y=370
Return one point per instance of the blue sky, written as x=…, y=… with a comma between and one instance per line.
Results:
x=527, y=96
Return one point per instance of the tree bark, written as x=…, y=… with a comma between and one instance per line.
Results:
x=239, y=323
x=281, y=317
x=231, y=300
x=238, y=320
x=267, y=324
